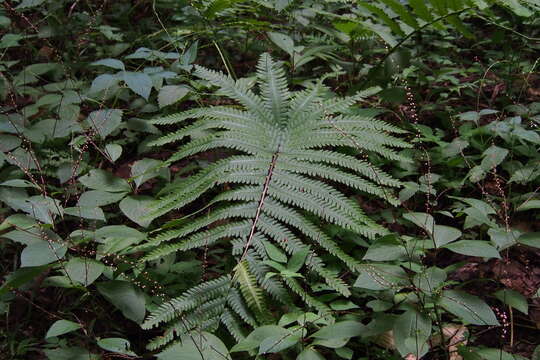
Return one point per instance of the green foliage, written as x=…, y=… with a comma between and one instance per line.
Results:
x=368, y=191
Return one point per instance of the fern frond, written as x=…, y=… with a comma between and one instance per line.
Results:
x=273, y=86
x=236, y=302
x=334, y=158
x=184, y=115
x=204, y=317
x=311, y=231
x=200, y=239
x=275, y=189
x=308, y=299
x=248, y=286
x=191, y=299
x=333, y=174
x=235, y=90
x=271, y=285
x=233, y=325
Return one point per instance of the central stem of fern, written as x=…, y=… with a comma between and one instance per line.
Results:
x=261, y=202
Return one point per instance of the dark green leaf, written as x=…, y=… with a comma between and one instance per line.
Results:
x=340, y=330
x=136, y=208
x=514, y=299
x=125, y=297
x=105, y=181
x=474, y=248
x=116, y=345
x=61, y=327
x=468, y=308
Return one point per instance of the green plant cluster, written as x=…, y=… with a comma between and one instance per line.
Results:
x=270, y=179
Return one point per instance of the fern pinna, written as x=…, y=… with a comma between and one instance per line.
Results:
x=285, y=174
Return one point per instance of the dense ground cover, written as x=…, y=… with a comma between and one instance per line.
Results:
x=269, y=179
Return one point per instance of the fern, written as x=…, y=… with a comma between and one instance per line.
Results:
x=284, y=176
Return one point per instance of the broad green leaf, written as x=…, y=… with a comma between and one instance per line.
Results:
x=344, y=353
x=86, y=212
x=5, y=22
x=474, y=248
x=104, y=122
x=140, y=83
x=106, y=233
x=503, y=239
x=116, y=345
x=170, y=94
x=425, y=221
x=283, y=41
x=53, y=128
x=20, y=277
x=309, y=354
x=19, y=183
x=340, y=330
x=379, y=305
x=331, y=343
x=23, y=159
x=146, y=169
x=42, y=253
x=9, y=142
x=43, y=208
x=105, y=181
x=278, y=343
x=274, y=252
x=25, y=4
x=10, y=40
x=523, y=176
x=136, y=208
x=514, y=299
x=112, y=63
x=386, y=248
x=117, y=244
x=430, y=279
x=62, y=327
x=126, y=297
x=96, y=198
x=529, y=205
x=257, y=336
x=493, y=156
x=411, y=332
x=30, y=236
x=198, y=345
x=103, y=82
x=113, y=151
x=380, y=276
x=468, y=308
x=530, y=239
x=297, y=260
x=84, y=271
x=445, y=234
x=341, y=305
x=67, y=171
x=20, y=221
x=482, y=206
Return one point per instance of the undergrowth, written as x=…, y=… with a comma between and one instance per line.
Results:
x=269, y=179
